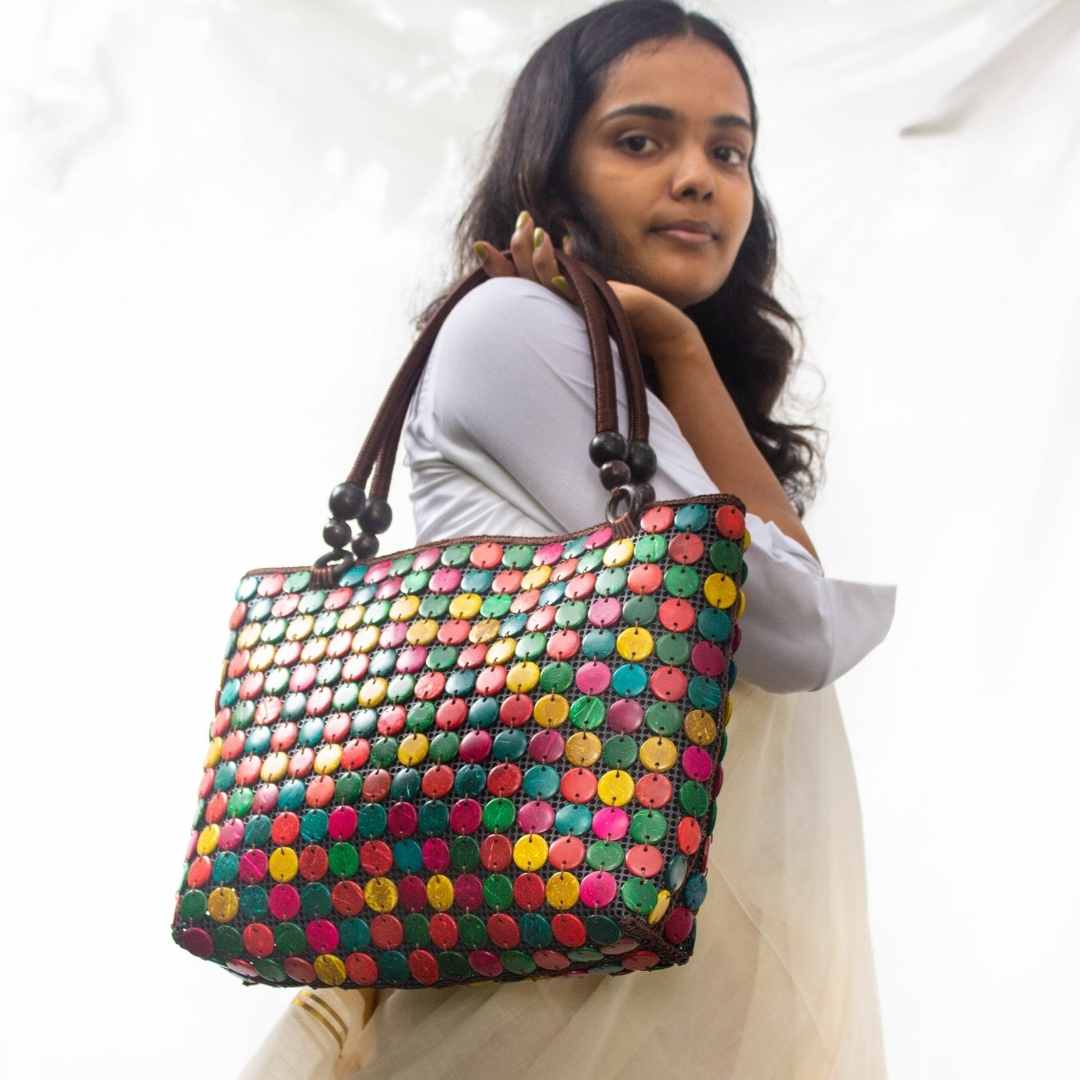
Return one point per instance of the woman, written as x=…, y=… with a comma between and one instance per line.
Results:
x=663, y=201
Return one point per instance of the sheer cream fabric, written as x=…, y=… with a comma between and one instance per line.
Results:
x=781, y=983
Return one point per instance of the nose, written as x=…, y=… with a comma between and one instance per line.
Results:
x=693, y=175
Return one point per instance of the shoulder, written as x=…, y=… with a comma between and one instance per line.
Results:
x=512, y=321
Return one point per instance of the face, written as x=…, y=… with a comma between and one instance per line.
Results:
x=641, y=172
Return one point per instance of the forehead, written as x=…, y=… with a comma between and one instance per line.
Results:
x=692, y=76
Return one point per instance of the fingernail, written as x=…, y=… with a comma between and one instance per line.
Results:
x=538, y=238
x=561, y=284
x=480, y=250
x=522, y=218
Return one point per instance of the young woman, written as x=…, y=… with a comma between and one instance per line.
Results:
x=628, y=141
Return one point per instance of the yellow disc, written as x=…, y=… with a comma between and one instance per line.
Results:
x=365, y=639
x=274, y=767
x=634, y=643
x=330, y=969
x=327, y=759
x=484, y=631
x=413, y=748
x=283, y=864
x=380, y=894
x=741, y=606
x=720, y=590
x=208, y=839
x=530, y=851
x=727, y=710
x=500, y=652
x=372, y=692
x=583, y=748
x=440, y=891
x=562, y=890
x=314, y=650
x=522, y=677
x=262, y=657
x=551, y=710
x=465, y=605
x=299, y=628
x=404, y=608
x=700, y=727
x=222, y=904
x=422, y=632
x=658, y=754
x=351, y=617
x=213, y=752
x=619, y=552
x=745, y=539
x=249, y=635
x=536, y=578
x=616, y=788
x=663, y=900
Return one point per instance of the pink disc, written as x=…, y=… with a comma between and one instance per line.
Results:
x=598, y=889
x=475, y=746
x=401, y=819
x=322, y=935
x=536, y=816
x=593, y=677
x=678, y=924
x=625, y=715
x=546, y=746
x=342, y=823
x=605, y=611
x=465, y=816
x=697, y=763
x=708, y=659
x=611, y=823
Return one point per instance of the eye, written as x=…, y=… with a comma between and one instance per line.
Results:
x=627, y=138
x=740, y=156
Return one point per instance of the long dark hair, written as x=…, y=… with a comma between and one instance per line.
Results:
x=744, y=326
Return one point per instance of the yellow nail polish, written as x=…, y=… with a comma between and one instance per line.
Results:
x=538, y=238
x=521, y=219
x=561, y=284
x=480, y=250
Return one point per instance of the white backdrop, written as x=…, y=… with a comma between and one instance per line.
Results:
x=217, y=219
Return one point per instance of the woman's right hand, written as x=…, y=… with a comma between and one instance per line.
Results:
x=533, y=257
x=661, y=330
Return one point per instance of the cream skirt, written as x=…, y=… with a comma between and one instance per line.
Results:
x=781, y=983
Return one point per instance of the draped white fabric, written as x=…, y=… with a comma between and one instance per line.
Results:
x=216, y=221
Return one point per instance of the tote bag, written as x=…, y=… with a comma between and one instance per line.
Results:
x=484, y=758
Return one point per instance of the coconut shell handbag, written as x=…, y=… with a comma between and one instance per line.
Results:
x=485, y=758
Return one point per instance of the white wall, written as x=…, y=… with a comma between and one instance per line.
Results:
x=216, y=220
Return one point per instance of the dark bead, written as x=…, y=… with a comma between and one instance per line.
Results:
x=646, y=493
x=642, y=458
x=337, y=533
x=607, y=446
x=376, y=515
x=365, y=545
x=346, y=500
x=614, y=473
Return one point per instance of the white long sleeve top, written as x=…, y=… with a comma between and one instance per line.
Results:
x=496, y=438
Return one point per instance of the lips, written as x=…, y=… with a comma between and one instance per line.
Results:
x=687, y=225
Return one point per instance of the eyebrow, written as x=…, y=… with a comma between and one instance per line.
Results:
x=661, y=112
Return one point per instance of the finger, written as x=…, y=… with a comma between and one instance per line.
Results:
x=495, y=264
x=544, y=257
x=521, y=246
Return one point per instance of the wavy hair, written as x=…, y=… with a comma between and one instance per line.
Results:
x=748, y=332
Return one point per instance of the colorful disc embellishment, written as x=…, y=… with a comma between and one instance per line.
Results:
x=482, y=759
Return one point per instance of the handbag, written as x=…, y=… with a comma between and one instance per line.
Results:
x=483, y=758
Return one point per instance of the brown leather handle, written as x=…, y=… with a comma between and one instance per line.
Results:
x=602, y=312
